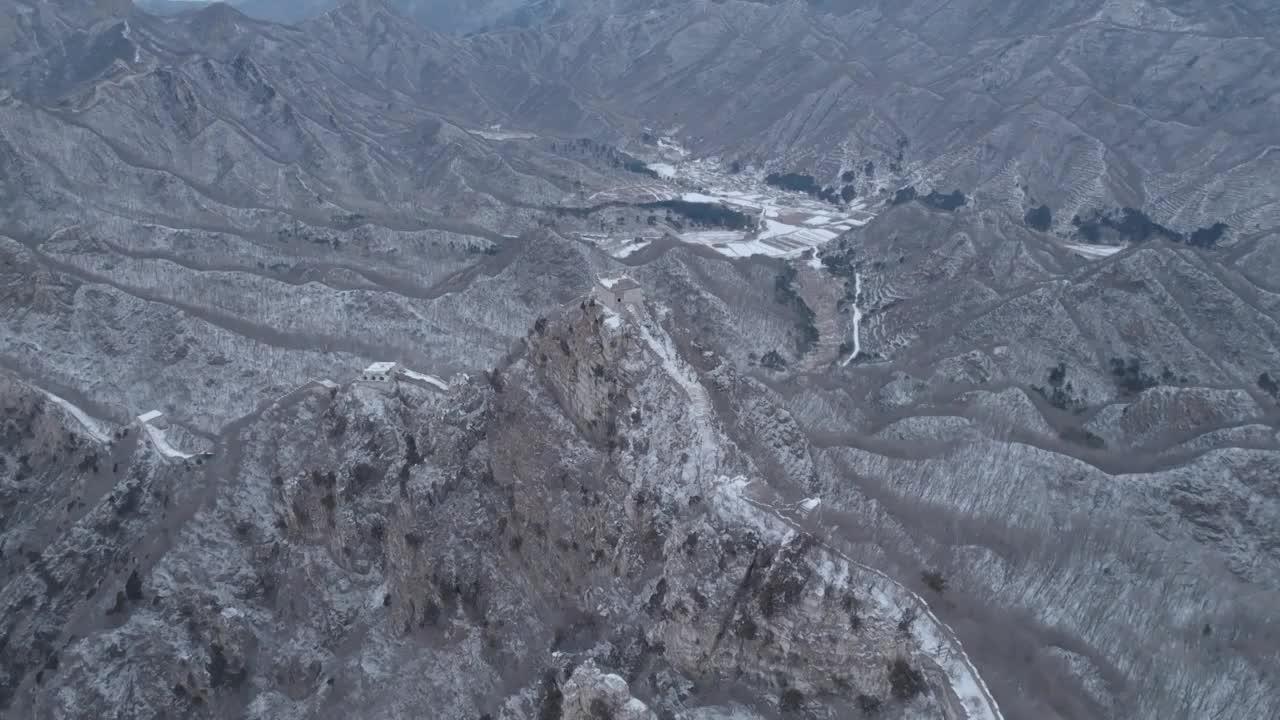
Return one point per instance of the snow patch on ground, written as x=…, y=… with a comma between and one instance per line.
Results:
x=429, y=379
x=703, y=444
x=631, y=248
x=675, y=366
x=162, y=444
x=694, y=197
x=673, y=147
x=787, y=223
x=710, y=237
x=857, y=320
x=730, y=500
x=1093, y=251
x=495, y=132
x=97, y=429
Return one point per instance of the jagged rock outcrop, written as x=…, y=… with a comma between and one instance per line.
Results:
x=590, y=694
x=506, y=531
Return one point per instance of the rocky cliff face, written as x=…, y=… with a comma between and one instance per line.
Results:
x=84, y=507
x=576, y=532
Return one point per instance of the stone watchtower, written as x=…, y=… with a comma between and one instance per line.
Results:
x=617, y=292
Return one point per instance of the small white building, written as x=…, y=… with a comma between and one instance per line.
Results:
x=617, y=292
x=381, y=372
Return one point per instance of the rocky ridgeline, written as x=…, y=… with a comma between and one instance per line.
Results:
x=582, y=357
x=76, y=514
x=574, y=534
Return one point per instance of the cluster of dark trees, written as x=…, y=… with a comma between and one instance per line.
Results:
x=773, y=360
x=1130, y=224
x=1135, y=226
x=936, y=200
x=784, y=291
x=806, y=184
x=1060, y=393
x=1269, y=385
x=1132, y=379
x=839, y=261
x=705, y=214
x=1040, y=218
x=586, y=147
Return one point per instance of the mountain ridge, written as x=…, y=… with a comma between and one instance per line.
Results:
x=970, y=305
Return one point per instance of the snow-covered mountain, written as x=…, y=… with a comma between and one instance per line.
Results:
x=451, y=16
x=948, y=385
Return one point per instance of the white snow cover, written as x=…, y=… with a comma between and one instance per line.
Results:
x=694, y=197
x=612, y=320
x=615, y=683
x=703, y=442
x=729, y=498
x=158, y=439
x=774, y=228
x=1093, y=251
x=675, y=367
x=708, y=237
x=671, y=145
x=796, y=221
x=495, y=132
x=857, y=320
x=96, y=428
x=630, y=248
x=430, y=379
x=150, y=416
x=814, y=236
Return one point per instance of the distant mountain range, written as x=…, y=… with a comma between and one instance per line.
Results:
x=452, y=16
x=951, y=388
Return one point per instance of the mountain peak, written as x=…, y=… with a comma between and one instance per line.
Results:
x=86, y=12
x=367, y=10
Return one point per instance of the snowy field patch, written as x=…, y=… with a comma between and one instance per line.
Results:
x=711, y=237
x=787, y=224
x=1093, y=251
x=495, y=132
